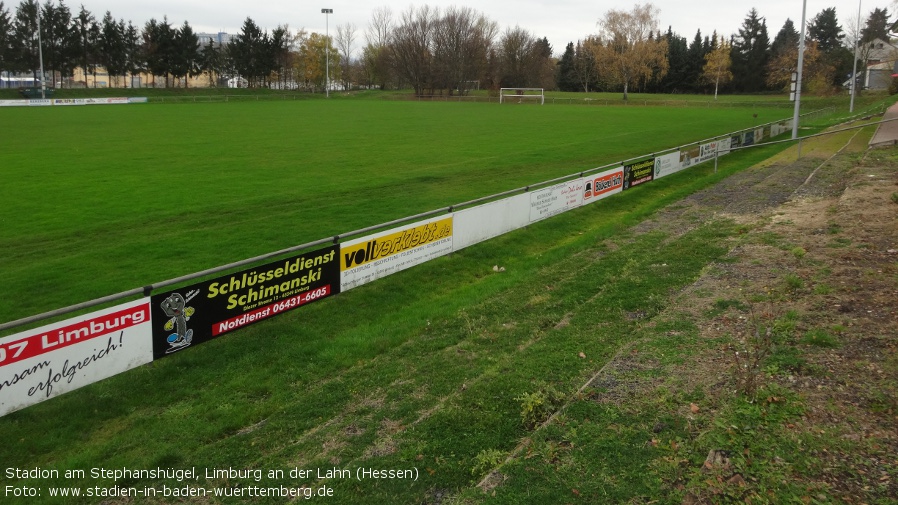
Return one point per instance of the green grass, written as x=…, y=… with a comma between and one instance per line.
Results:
x=425, y=373
x=430, y=369
x=99, y=200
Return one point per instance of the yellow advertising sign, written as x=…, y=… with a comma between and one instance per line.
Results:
x=395, y=243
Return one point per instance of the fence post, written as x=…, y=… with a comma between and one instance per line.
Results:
x=716, y=156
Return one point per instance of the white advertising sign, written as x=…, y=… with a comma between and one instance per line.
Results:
x=554, y=200
x=58, y=358
x=490, y=220
x=667, y=164
x=369, y=258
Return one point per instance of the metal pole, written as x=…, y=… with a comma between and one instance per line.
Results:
x=327, y=64
x=804, y=8
x=857, y=43
x=40, y=51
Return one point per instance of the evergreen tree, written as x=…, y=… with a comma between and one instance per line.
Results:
x=585, y=68
x=825, y=30
x=750, y=54
x=25, y=41
x=133, y=51
x=113, y=51
x=877, y=26
x=212, y=59
x=695, y=60
x=248, y=53
x=836, y=60
x=785, y=40
x=567, y=77
x=5, y=39
x=158, y=48
x=186, y=54
x=57, y=40
x=677, y=78
x=83, y=41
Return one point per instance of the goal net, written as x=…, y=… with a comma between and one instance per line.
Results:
x=522, y=95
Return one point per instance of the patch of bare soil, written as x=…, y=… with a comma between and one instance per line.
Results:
x=819, y=248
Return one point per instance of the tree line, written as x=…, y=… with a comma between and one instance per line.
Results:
x=434, y=51
x=746, y=62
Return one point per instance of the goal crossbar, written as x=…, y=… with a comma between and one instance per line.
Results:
x=521, y=94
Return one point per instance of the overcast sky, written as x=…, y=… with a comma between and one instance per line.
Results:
x=561, y=21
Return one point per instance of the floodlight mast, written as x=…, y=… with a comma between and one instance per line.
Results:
x=327, y=64
x=40, y=50
x=857, y=43
x=796, y=113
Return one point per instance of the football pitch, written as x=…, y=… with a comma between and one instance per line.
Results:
x=99, y=200
x=411, y=389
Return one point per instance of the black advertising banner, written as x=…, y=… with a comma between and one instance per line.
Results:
x=194, y=314
x=639, y=173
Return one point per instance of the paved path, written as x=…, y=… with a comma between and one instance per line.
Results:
x=887, y=133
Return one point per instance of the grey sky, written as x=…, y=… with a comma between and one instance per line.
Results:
x=561, y=21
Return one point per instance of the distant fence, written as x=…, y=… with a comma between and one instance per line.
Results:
x=49, y=102
x=44, y=362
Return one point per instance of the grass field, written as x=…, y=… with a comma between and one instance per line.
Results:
x=444, y=368
x=104, y=199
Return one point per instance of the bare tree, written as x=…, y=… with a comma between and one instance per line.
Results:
x=344, y=40
x=525, y=60
x=461, y=42
x=516, y=46
x=410, y=46
x=380, y=28
x=375, y=54
x=585, y=68
x=631, y=54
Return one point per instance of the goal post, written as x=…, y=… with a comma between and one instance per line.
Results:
x=519, y=95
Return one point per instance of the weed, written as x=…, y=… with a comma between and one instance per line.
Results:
x=784, y=327
x=840, y=242
x=793, y=282
x=822, y=289
x=895, y=198
x=770, y=238
x=799, y=253
x=720, y=306
x=764, y=349
x=538, y=406
x=820, y=338
x=755, y=348
x=486, y=460
x=785, y=359
x=470, y=325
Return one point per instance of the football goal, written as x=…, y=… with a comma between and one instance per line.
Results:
x=521, y=95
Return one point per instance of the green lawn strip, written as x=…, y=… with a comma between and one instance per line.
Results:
x=632, y=436
x=488, y=410
x=218, y=405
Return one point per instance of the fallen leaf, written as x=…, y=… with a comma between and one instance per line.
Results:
x=694, y=408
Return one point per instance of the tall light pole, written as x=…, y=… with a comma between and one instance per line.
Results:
x=857, y=43
x=804, y=8
x=327, y=55
x=40, y=50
